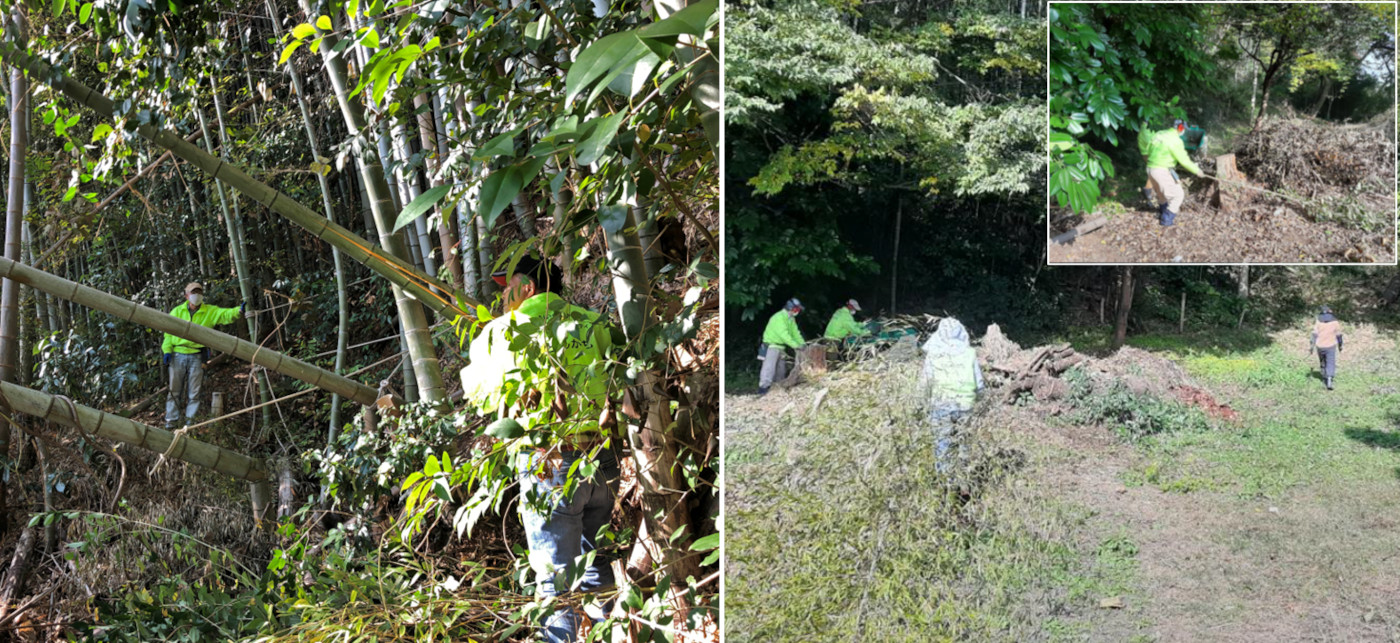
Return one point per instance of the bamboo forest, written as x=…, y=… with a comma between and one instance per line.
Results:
x=360, y=320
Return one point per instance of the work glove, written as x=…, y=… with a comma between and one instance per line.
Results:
x=204, y=355
x=1147, y=194
x=1339, y=343
x=168, y=357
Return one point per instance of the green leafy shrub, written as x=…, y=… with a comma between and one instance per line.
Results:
x=1133, y=416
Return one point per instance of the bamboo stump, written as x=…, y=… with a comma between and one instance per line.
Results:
x=1227, y=197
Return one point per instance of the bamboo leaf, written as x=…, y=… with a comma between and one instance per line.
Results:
x=370, y=39
x=497, y=191
x=423, y=203
x=597, y=60
x=502, y=145
x=591, y=148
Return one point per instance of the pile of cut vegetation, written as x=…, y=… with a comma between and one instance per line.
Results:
x=1047, y=374
x=1315, y=158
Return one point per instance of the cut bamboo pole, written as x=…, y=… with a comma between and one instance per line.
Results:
x=115, y=427
x=431, y=291
x=155, y=319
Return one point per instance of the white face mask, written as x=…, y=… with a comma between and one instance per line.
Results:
x=196, y=299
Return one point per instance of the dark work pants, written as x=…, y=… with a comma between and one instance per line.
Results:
x=1328, y=358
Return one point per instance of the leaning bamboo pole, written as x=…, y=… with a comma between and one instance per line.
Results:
x=155, y=319
x=431, y=291
x=115, y=427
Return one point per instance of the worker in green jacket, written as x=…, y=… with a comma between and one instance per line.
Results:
x=1164, y=152
x=843, y=324
x=546, y=364
x=185, y=358
x=781, y=332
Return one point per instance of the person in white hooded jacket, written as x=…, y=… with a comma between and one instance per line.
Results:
x=952, y=379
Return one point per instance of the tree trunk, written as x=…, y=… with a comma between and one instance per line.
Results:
x=894, y=258
x=1181, y=319
x=14, y=230
x=1324, y=87
x=342, y=341
x=411, y=317
x=654, y=446
x=236, y=239
x=157, y=320
x=434, y=148
x=1125, y=304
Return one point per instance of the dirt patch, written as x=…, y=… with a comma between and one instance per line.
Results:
x=1202, y=399
x=1271, y=230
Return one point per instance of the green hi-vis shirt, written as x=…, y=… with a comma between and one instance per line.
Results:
x=1167, y=150
x=843, y=324
x=782, y=331
x=494, y=377
x=207, y=316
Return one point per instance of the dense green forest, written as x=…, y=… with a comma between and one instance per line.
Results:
x=893, y=152
x=343, y=179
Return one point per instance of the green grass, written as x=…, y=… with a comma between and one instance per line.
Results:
x=1293, y=432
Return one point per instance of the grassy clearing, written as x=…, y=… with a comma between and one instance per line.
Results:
x=1294, y=433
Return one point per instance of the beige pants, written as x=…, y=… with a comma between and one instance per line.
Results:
x=1168, y=189
x=774, y=368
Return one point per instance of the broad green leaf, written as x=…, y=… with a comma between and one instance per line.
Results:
x=303, y=31
x=85, y=13
x=537, y=30
x=691, y=20
x=497, y=191
x=613, y=217
x=705, y=544
x=591, y=148
x=324, y=23
x=502, y=145
x=420, y=205
x=633, y=78
x=505, y=429
x=101, y=132
x=287, y=51
x=370, y=39
x=597, y=60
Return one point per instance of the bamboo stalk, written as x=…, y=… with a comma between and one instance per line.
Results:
x=152, y=318
x=114, y=427
x=428, y=290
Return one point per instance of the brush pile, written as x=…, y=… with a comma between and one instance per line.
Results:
x=1317, y=159
x=1040, y=373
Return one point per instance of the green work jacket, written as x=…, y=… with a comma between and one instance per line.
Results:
x=782, y=331
x=207, y=316
x=955, y=379
x=1167, y=151
x=843, y=324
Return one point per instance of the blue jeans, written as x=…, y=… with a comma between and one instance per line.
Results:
x=568, y=531
x=186, y=380
x=944, y=420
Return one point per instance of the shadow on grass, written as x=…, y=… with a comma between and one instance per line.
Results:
x=1371, y=437
x=1098, y=341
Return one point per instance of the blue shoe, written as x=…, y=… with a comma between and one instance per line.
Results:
x=1167, y=218
x=763, y=391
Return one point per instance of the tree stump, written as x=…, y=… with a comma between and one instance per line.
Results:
x=810, y=362
x=1227, y=197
